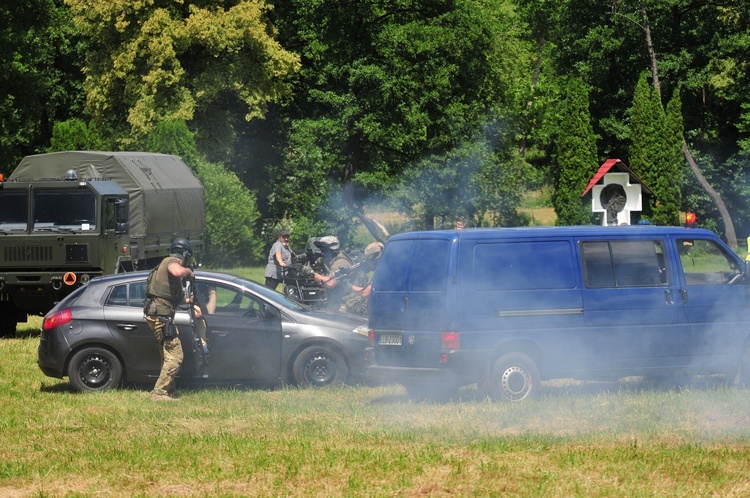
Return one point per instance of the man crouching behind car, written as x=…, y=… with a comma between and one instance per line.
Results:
x=164, y=292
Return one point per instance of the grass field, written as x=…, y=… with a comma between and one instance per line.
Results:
x=577, y=439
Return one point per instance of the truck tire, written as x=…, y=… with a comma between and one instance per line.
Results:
x=319, y=366
x=514, y=377
x=8, y=321
x=94, y=369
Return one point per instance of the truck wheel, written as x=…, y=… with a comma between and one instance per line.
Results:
x=319, y=366
x=514, y=377
x=94, y=369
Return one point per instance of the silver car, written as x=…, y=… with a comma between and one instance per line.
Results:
x=98, y=338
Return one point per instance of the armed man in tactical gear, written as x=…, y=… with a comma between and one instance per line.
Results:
x=357, y=300
x=335, y=272
x=164, y=292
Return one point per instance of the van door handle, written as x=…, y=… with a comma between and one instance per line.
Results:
x=684, y=295
x=406, y=304
x=668, y=296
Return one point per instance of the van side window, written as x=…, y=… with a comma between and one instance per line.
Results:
x=430, y=266
x=703, y=263
x=624, y=263
x=524, y=266
x=393, y=266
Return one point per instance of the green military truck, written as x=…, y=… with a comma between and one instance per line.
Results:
x=67, y=217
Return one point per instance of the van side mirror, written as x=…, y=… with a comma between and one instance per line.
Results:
x=122, y=214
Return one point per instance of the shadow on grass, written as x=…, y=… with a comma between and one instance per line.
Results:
x=560, y=388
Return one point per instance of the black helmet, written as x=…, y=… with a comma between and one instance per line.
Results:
x=182, y=247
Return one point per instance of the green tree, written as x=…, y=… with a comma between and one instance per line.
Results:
x=76, y=134
x=387, y=88
x=231, y=211
x=575, y=156
x=40, y=76
x=655, y=154
x=207, y=63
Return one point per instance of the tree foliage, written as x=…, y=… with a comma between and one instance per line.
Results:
x=195, y=61
x=40, y=78
x=575, y=156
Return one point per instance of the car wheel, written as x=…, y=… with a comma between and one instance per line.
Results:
x=319, y=366
x=94, y=369
x=514, y=377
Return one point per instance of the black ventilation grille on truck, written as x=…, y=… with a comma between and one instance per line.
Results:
x=27, y=253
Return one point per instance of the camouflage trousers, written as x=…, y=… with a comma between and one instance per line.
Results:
x=171, y=357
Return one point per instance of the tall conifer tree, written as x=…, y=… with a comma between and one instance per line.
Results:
x=576, y=156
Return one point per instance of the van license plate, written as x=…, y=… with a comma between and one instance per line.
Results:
x=390, y=340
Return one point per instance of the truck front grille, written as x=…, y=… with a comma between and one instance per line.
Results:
x=27, y=253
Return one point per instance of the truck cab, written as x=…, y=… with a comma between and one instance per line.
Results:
x=55, y=235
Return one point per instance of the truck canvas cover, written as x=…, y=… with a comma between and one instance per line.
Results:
x=162, y=190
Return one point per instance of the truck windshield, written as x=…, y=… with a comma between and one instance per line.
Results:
x=58, y=208
x=14, y=210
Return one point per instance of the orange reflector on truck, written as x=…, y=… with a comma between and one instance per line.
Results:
x=69, y=278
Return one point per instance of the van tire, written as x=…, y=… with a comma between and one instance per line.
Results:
x=513, y=377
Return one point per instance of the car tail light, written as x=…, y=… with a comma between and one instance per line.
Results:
x=59, y=317
x=371, y=335
x=450, y=340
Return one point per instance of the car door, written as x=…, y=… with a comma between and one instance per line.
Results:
x=244, y=337
x=633, y=315
x=123, y=312
x=714, y=294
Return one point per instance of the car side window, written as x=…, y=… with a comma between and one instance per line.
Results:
x=624, y=263
x=127, y=295
x=234, y=302
x=118, y=296
x=704, y=263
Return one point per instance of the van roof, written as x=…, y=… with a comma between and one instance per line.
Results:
x=565, y=231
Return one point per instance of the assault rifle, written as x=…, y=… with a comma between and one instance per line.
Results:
x=192, y=298
x=343, y=272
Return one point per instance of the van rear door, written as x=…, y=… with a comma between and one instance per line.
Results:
x=412, y=300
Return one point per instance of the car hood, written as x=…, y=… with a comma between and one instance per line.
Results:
x=329, y=318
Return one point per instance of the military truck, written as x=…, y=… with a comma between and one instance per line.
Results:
x=67, y=217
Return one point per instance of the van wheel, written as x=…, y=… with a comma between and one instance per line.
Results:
x=94, y=369
x=745, y=369
x=514, y=377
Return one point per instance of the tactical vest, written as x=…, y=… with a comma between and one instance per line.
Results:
x=162, y=284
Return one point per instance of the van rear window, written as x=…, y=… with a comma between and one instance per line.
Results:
x=427, y=273
x=524, y=266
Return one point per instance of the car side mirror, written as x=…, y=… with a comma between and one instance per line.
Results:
x=269, y=312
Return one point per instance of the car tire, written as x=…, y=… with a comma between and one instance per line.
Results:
x=94, y=369
x=319, y=366
x=514, y=377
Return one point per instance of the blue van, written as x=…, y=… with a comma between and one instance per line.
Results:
x=508, y=307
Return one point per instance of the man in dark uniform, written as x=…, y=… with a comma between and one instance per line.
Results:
x=164, y=292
